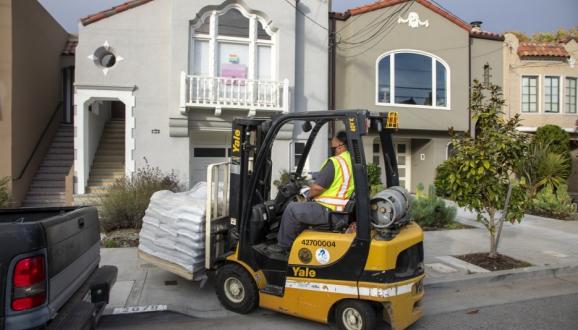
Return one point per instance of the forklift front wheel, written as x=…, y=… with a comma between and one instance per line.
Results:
x=236, y=289
x=355, y=315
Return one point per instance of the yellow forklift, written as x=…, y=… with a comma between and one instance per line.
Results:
x=349, y=274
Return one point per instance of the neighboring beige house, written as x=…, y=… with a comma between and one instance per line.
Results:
x=32, y=104
x=415, y=58
x=540, y=84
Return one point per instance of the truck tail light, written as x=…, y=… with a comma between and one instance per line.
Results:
x=29, y=283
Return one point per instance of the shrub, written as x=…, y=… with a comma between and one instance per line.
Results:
x=552, y=203
x=442, y=173
x=4, y=196
x=374, y=178
x=558, y=141
x=541, y=167
x=124, y=205
x=430, y=211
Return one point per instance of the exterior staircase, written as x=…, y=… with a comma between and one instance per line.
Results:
x=47, y=188
x=108, y=164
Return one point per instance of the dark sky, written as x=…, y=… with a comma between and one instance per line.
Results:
x=528, y=16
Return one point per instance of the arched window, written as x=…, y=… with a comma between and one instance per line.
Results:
x=232, y=43
x=412, y=78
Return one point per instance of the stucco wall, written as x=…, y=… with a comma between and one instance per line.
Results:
x=515, y=68
x=434, y=153
x=96, y=121
x=489, y=52
x=356, y=68
x=38, y=41
x=154, y=40
x=5, y=88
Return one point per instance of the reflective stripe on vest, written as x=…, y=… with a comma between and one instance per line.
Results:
x=337, y=195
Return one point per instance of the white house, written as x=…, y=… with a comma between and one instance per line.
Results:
x=158, y=82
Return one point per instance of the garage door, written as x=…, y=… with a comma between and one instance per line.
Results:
x=205, y=156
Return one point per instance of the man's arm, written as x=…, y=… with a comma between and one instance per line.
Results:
x=323, y=180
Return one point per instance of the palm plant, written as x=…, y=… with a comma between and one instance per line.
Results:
x=542, y=167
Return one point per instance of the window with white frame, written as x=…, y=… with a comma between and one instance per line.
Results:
x=232, y=43
x=571, y=95
x=529, y=93
x=551, y=94
x=412, y=78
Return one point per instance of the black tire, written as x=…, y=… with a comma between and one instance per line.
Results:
x=236, y=289
x=355, y=315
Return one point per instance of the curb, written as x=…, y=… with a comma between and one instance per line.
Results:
x=527, y=273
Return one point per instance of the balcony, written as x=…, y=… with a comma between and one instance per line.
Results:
x=223, y=93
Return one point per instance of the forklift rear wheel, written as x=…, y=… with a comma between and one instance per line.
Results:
x=236, y=289
x=355, y=315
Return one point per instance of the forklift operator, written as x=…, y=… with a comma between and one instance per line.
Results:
x=330, y=192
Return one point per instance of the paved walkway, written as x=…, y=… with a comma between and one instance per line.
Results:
x=539, y=241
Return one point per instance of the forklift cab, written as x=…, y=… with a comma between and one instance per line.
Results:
x=338, y=272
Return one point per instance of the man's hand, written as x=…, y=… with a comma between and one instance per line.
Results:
x=315, y=190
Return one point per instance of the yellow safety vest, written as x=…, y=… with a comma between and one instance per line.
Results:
x=337, y=195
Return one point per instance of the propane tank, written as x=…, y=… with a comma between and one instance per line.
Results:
x=390, y=209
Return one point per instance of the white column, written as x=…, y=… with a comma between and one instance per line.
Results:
x=80, y=142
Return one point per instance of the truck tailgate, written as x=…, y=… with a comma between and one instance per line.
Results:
x=73, y=242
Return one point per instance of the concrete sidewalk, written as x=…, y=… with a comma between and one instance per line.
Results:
x=546, y=243
x=542, y=242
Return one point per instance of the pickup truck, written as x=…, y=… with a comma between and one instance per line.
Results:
x=49, y=268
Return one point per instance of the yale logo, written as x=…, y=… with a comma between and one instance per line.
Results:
x=237, y=140
x=304, y=272
x=352, y=126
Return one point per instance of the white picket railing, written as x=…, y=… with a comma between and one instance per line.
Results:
x=233, y=93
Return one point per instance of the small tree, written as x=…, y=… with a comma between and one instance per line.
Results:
x=481, y=175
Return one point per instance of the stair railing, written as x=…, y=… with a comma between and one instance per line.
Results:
x=42, y=136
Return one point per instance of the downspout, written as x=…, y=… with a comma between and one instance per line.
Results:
x=472, y=131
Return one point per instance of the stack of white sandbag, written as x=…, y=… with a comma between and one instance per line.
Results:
x=174, y=228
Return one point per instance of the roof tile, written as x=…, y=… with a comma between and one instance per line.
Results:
x=542, y=49
x=113, y=11
x=70, y=47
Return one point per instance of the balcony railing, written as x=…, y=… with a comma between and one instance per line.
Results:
x=232, y=93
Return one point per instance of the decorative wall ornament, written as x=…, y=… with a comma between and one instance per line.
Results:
x=572, y=62
x=413, y=20
x=105, y=58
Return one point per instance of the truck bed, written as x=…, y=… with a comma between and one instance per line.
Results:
x=69, y=240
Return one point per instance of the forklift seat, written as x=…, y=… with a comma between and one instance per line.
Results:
x=338, y=221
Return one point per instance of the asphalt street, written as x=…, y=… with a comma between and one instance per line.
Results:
x=558, y=312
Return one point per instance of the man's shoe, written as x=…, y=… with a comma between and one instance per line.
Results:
x=277, y=250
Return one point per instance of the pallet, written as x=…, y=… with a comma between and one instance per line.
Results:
x=170, y=267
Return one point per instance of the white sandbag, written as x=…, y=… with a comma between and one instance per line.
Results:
x=174, y=228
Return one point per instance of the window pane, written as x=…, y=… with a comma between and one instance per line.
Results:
x=264, y=63
x=402, y=183
x=441, y=85
x=233, y=60
x=201, y=58
x=261, y=33
x=210, y=152
x=401, y=148
x=551, y=94
x=570, y=95
x=529, y=92
x=233, y=24
x=376, y=160
x=413, y=79
x=204, y=28
x=376, y=148
x=401, y=172
x=384, y=87
x=401, y=160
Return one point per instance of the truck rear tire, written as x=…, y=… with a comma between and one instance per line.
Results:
x=355, y=315
x=236, y=289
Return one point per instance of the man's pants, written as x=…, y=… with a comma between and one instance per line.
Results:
x=297, y=217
